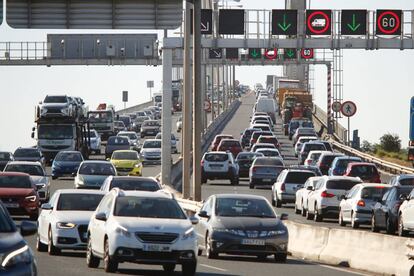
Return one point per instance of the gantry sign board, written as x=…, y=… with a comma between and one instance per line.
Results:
x=259, y=53
x=94, y=14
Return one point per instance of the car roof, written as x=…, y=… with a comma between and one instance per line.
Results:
x=69, y=151
x=365, y=185
x=361, y=164
x=405, y=176
x=299, y=170
x=34, y=163
x=217, y=152
x=330, y=153
x=156, y=194
x=126, y=132
x=348, y=157
x=308, y=137
x=27, y=148
x=133, y=177
x=124, y=151
x=241, y=196
x=267, y=149
x=340, y=177
x=150, y=140
x=80, y=191
x=14, y=174
x=95, y=161
x=317, y=151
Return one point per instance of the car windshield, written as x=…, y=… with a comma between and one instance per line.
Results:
x=373, y=193
x=78, y=202
x=216, y=157
x=343, y=163
x=135, y=185
x=119, y=124
x=269, y=152
x=363, y=170
x=97, y=169
x=125, y=155
x=5, y=156
x=100, y=117
x=133, y=206
x=247, y=156
x=131, y=136
x=69, y=157
x=268, y=161
x=117, y=140
x=309, y=147
x=55, y=131
x=407, y=181
x=15, y=181
x=27, y=153
x=92, y=134
x=294, y=124
x=151, y=123
x=298, y=177
x=152, y=144
x=341, y=184
x=55, y=99
x=230, y=143
x=328, y=159
x=243, y=207
x=159, y=136
x=29, y=169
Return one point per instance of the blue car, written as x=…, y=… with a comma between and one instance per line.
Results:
x=66, y=163
x=340, y=163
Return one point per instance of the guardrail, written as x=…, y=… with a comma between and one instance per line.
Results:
x=134, y=108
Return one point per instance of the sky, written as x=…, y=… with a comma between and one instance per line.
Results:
x=379, y=82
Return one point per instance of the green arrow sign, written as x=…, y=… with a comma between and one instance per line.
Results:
x=290, y=53
x=354, y=26
x=255, y=53
x=285, y=26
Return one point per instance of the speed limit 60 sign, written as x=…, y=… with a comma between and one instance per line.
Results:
x=388, y=22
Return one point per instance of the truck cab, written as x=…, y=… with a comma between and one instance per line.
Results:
x=103, y=122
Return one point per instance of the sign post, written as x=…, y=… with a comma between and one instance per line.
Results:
x=412, y=119
x=125, y=97
x=150, y=85
x=348, y=109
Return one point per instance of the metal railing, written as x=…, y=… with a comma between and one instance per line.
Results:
x=35, y=50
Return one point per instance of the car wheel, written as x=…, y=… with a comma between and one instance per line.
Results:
x=354, y=223
x=235, y=181
x=91, y=260
x=341, y=219
x=273, y=202
x=189, y=269
x=169, y=268
x=51, y=248
x=209, y=250
x=401, y=231
x=297, y=211
x=251, y=186
x=303, y=211
x=109, y=264
x=262, y=257
x=203, y=179
x=54, y=177
x=374, y=227
x=281, y=257
x=389, y=227
x=308, y=216
x=41, y=247
x=34, y=216
x=317, y=217
x=278, y=203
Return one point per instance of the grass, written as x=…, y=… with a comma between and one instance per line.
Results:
x=399, y=158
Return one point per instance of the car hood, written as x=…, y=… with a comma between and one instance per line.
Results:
x=67, y=163
x=151, y=150
x=245, y=223
x=76, y=217
x=61, y=105
x=11, y=192
x=38, y=179
x=134, y=224
x=93, y=179
x=10, y=241
x=26, y=158
x=124, y=163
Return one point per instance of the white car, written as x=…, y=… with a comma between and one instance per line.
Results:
x=133, y=139
x=151, y=151
x=141, y=227
x=301, y=203
x=56, y=106
x=269, y=152
x=64, y=221
x=95, y=141
x=406, y=216
x=313, y=157
x=301, y=141
x=37, y=175
x=402, y=180
x=324, y=200
x=219, y=165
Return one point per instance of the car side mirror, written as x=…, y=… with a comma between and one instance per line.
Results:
x=101, y=216
x=343, y=196
x=28, y=228
x=203, y=214
x=284, y=216
x=309, y=188
x=74, y=174
x=108, y=159
x=39, y=186
x=32, y=135
x=46, y=206
x=404, y=197
x=194, y=220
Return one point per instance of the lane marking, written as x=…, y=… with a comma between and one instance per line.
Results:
x=213, y=267
x=344, y=270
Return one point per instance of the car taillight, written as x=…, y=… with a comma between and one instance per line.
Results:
x=283, y=187
x=309, y=162
x=326, y=194
x=254, y=169
x=361, y=203
x=202, y=162
x=377, y=179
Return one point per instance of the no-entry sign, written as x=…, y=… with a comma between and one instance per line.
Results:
x=318, y=22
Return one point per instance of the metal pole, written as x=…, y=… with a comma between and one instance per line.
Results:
x=213, y=112
x=224, y=89
x=329, y=100
x=349, y=131
x=234, y=81
x=218, y=90
x=197, y=100
x=150, y=94
x=166, y=116
x=205, y=88
x=187, y=119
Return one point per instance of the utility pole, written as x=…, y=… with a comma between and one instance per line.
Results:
x=197, y=100
x=187, y=111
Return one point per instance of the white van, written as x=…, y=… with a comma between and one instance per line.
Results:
x=266, y=105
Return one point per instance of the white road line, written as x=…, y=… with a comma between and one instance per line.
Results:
x=213, y=267
x=344, y=270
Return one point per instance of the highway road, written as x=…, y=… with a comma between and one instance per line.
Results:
x=73, y=263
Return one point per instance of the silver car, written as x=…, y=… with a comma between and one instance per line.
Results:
x=133, y=139
x=96, y=141
x=151, y=151
x=356, y=206
x=173, y=142
x=92, y=174
x=116, y=143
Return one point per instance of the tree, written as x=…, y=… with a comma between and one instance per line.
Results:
x=390, y=142
x=367, y=146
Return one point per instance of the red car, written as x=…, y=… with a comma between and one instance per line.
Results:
x=231, y=145
x=217, y=140
x=368, y=172
x=19, y=195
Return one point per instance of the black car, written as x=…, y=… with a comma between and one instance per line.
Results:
x=246, y=135
x=5, y=157
x=315, y=169
x=385, y=212
x=245, y=160
x=239, y=224
x=17, y=257
x=29, y=154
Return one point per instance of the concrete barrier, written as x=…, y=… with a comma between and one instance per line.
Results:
x=134, y=108
x=373, y=252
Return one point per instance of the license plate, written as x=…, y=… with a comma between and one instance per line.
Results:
x=157, y=247
x=267, y=180
x=11, y=205
x=253, y=242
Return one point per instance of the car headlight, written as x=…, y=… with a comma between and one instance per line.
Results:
x=236, y=232
x=80, y=181
x=123, y=231
x=40, y=185
x=138, y=165
x=276, y=233
x=18, y=256
x=189, y=234
x=65, y=225
x=31, y=198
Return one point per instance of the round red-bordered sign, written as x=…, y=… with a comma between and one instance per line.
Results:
x=328, y=24
x=271, y=56
x=307, y=55
x=397, y=19
x=207, y=105
x=348, y=108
